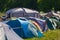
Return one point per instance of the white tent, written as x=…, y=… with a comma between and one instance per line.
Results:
x=22, y=12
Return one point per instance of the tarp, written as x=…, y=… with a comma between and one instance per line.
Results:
x=24, y=28
x=9, y=34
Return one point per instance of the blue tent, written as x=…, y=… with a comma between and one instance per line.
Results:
x=24, y=28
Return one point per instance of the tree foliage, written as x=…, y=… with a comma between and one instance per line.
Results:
x=48, y=5
x=40, y=5
x=8, y=4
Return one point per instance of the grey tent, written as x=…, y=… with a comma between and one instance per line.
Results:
x=8, y=33
x=22, y=12
x=2, y=36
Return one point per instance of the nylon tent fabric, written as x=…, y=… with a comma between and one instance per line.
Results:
x=53, y=23
x=40, y=22
x=24, y=30
x=9, y=12
x=9, y=34
x=38, y=27
x=43, y=25
x=56, y=20
x=24, y=24
x=2, y=33
x=22, y=12
x=32, y=28
x=58, y=24
x=16, y=26
x=49, y=23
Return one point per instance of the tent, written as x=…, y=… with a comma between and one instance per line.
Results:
x=22, y=12
x=24, y=28
x=50, y=23
x=56, y=20
x=38, y=27
x=6, y=33
x=2, y=36
x=40, y=22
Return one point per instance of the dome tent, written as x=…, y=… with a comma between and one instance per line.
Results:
x=38, y=27
x=41, y=23
x=24, y=28
x=7, y=33
x=22, y=12
x=50, y=23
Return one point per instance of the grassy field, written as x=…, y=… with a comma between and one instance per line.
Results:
x=49, y=35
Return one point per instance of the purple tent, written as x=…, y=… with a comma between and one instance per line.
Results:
x=40, y=22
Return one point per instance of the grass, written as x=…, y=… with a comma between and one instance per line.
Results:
x=49, y=35
x=2, y=14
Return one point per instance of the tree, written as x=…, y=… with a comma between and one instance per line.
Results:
x=8, y=4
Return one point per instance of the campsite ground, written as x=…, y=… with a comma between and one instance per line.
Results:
x=49, y=35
